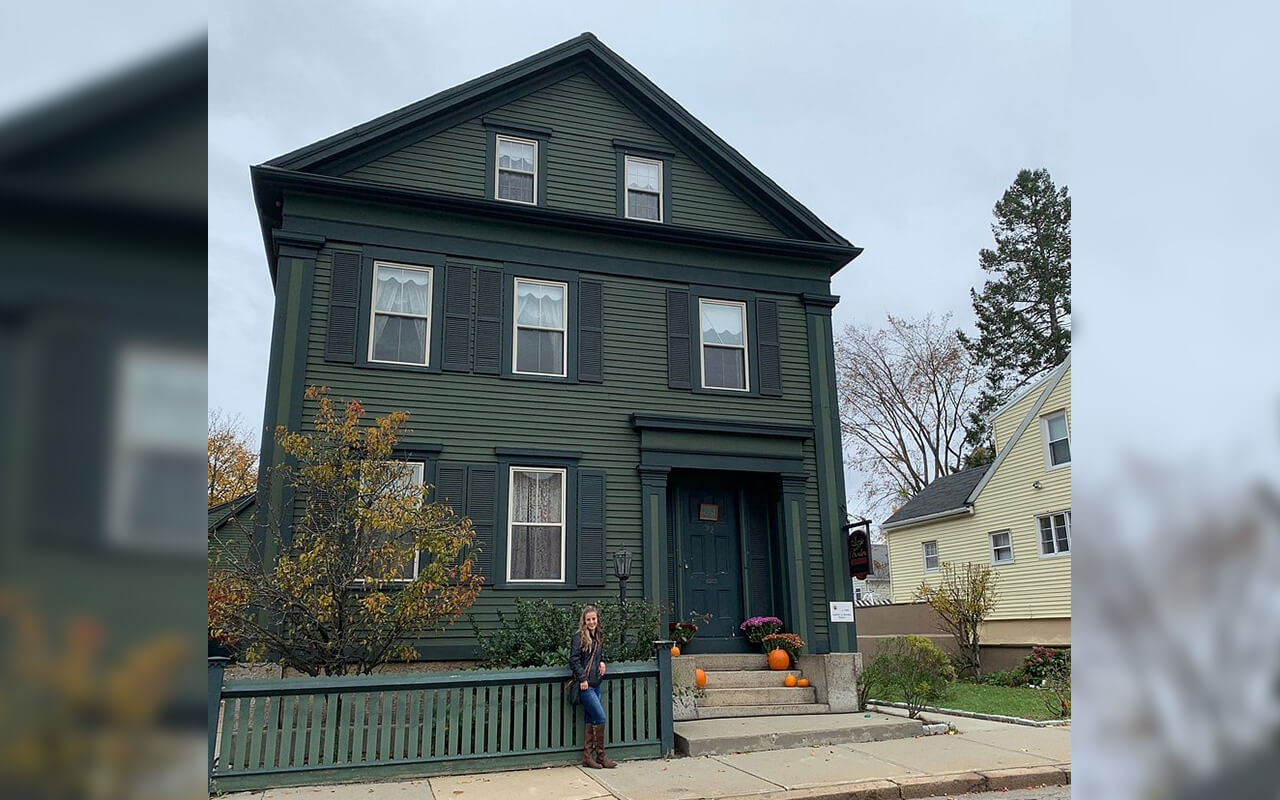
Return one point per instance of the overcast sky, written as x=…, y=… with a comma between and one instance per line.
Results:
x=899, y=124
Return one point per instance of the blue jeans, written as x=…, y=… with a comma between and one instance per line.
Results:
x=592, y=700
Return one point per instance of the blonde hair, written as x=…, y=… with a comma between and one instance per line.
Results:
x=584, y=636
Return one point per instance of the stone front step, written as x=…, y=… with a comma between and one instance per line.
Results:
x=714, y=712
x=702, y=737
x=730, y=661
x=776, y=695
x=748, y=678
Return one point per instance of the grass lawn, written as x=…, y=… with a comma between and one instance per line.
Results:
x=1007, y=700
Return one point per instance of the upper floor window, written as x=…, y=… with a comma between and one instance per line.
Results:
x=400, y=325
x=724, y=344
x=644, y=189
x=931, y=556
x=1055, y=533
x=536, y=526
x=540, y=324
x=1057, y=440
x=516, y=177
x=1002, y=548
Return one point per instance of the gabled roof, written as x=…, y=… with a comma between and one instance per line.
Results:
x=943, y=497
x=585, y=53
x=222, y=513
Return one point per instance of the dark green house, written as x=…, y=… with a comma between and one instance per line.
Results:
x=611, y=332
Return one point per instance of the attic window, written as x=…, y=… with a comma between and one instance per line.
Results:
x=644, y=189
x=516, y=177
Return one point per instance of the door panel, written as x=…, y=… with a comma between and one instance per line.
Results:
x=711, y=563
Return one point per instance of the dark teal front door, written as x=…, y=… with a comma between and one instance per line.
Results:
x=710, y=559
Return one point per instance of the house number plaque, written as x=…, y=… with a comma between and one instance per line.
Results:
x=708, y=512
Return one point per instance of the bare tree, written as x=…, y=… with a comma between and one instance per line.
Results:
x=906, y=392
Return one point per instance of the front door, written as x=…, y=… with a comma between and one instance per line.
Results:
x=710, y=560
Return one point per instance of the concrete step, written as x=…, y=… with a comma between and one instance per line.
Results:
x=748, y=678
x=775, y=695
x=715, y=712
x=734, y=661
x=702, y=737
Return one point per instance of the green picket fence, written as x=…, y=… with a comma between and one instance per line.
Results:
x=303, y=731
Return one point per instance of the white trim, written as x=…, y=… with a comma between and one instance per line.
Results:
x=1044, y=438
x=374, y=312
x=498, y=170
x=516, y=326
x=1066, y=514
x=626, y=190
x=563, y=524
x=905, y=523
x=924, y=555
x=991, y=540
x=745, y=347
x=1026, y=390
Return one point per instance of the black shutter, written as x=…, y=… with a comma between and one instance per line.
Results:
x=591, y=507
x=451, y=486
x=678, y=369
x=591, y=331
x=770, y=350
x=457, y=319
x=344, y=308
x=482, y=508
x=488, y=321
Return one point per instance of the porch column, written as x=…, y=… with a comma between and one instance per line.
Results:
x=795, y=557
x=657, y=556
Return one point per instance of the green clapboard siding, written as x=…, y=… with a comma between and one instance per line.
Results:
x=471, y=414
x=581, y=160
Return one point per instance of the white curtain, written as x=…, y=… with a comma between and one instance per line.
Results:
x=541, y=305
x=536, y=548
x=402, y=291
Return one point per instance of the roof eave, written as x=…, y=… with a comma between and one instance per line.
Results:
x=937, y=515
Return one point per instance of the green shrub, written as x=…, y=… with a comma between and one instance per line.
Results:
x=915, y=668
x=1044, y=662
x=1005, y=677
x=538, y=634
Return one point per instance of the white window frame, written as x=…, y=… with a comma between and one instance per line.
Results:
x=511, y=523
x=991, y=538
x=374, y=312
x=626, y=190
x=1066, y=515
x=937, y=556
x=516, y=326
x=745, y=346
x=857, y=593
x=420, y=476
x=1044, y=437
x=498, y=170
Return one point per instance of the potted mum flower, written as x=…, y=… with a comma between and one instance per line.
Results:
x=757, y=628
x=788, y=644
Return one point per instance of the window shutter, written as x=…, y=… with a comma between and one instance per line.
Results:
x=678, y=369
x=488, y=322
x=451, y=486
x=591, y=507
x=344, y=308
x=591, y=331
x=482, y=508
x=769, y=349
x=457, y=319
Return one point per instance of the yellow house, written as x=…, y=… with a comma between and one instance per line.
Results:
x=1014, y=514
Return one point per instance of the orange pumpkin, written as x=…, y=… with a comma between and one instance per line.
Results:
x=779, y=660
x=701, y=676
x=675, y=651
x=803, y=682
x=790, y=680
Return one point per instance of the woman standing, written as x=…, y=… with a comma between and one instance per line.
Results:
x=586, y=660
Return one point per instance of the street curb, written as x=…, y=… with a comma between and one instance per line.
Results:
x=922, y=786
x=883, y=705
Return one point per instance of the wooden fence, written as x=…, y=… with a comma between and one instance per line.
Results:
x=302, y=731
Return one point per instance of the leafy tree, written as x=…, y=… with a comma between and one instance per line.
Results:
x=233, y=463
x=341, y=593
x=1024, y=310
x=910, y=667
x=906, y=391
x=963, y=598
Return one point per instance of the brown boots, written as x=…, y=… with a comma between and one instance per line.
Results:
x=593, y=754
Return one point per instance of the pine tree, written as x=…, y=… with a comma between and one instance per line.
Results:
x=1024, y=311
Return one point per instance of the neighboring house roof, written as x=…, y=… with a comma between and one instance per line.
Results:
x=946, y=495
x=222, y=513
x=322, y=161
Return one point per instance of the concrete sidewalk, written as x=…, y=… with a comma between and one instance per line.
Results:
x=982, y=756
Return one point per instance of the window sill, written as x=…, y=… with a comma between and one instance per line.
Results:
x=1064, y=554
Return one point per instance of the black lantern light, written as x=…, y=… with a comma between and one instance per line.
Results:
x=622, y=569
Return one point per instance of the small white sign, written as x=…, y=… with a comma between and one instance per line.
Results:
x=841, y=612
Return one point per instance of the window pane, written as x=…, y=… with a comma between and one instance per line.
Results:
x=539, y=304
x=535, y=553
x=1046, y=536
x=1057, y=427
x=725, y=367
x=540, y=351
x=515, y=155
x=515, y=186
x=721, y=324
x=536, y=497
x=1060, y=528
x=403, y=291
x=401, y=339
x=1060, y=452
x=641, y=205
x=643, y=176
